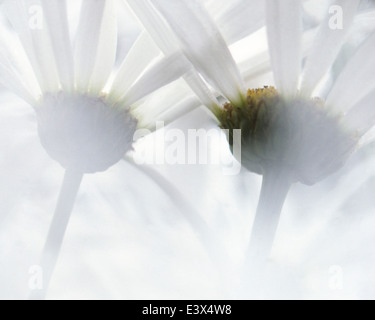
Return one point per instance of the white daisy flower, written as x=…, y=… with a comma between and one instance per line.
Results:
x=88, y=111
x=288, y=135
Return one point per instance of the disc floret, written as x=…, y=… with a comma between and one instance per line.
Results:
x=297, y=135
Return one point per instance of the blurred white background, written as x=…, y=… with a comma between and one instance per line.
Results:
x=128, y=240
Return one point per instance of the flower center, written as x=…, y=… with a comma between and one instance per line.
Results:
x=83, y=132
x=297, y=135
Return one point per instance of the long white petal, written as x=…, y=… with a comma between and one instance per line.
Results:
x=256, y=66
x=13, y=83
x=155, y=26
x=284, y=27
x=327, y=45
x=218, y=8
x=43, y=49
x=356, y=80
x=26, y=17
x=55, y=12
x=176, y=98
x=87, y=41
x=149, y=108
x=106, y=50
x=364, y=23
x=15, y=79
x=197, y=84
x=167, y=42
x=176, y=111
x=164, y=72
x=362, y=116
x=314, y=10
x=242, y=18
x=138, y=59
x=204, y=45
x=16, y=73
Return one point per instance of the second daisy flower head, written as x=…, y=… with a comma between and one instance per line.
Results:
x=87, y=107
x=284, y=127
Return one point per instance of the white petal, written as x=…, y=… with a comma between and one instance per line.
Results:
x=365, y=21
x=204, y=45
x=16, y=73
x=171, y=101
x=327, y=46
x=138, y=59
x=56, y=15
x=315, y=10
x=356, y=80
x=362, y=28
x=167, y=42
x=166, y=104
x=161, y=100
x=197, y=84
x=259, y=65
x=256, y=66
x=176, y=111
x=26, y=18
x=164, y=72
x=362, y=116
x=284, y=27
x=10, y=81
x=106, y=50
x=218, y=8
x=242, y=18
x=87, y=41
x=155, y=26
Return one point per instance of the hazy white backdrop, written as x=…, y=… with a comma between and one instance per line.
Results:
x=127, y=240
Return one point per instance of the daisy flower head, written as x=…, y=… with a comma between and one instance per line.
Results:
x=86, y=106
x=289, y=133
x=90, y=106
x=284, y=126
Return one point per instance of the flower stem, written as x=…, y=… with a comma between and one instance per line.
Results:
x=209, y=240
x=64, y=207
x=275, y=188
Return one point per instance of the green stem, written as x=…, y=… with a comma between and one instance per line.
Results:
x=275, y=188
x=52, y=248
